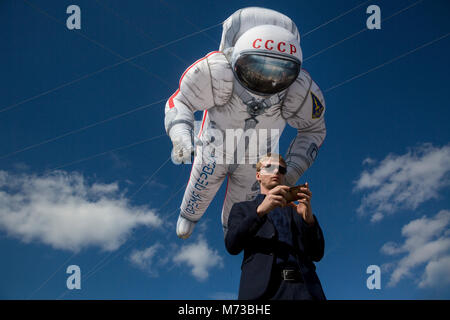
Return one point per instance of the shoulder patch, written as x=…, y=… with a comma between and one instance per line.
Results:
x=317, y=107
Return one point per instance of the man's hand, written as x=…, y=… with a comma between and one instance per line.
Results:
x=274, y=198
x=304, y=206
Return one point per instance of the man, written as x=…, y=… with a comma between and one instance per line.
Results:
x=280, y=240
x=254, y=84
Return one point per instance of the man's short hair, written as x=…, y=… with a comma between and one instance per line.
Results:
x=268, y=156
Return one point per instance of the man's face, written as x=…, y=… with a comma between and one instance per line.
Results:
x=269, y=176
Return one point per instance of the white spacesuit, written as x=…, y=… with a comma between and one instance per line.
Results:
x=254, y=82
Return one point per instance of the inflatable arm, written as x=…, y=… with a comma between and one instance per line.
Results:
x=311, y=131
x=203, y=85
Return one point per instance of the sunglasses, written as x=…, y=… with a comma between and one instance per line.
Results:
x=269, y=168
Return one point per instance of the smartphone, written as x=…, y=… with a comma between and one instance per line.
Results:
x=292, y=193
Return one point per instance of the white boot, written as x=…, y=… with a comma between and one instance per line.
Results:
x=184, y=227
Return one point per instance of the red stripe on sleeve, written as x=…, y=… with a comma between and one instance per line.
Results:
x=171, y=104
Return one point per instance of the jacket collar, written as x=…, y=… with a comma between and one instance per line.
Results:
x=259, y=198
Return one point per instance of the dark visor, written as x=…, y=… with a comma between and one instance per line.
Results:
x=266, y=74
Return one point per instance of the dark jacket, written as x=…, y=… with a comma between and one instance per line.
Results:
x=257, y=237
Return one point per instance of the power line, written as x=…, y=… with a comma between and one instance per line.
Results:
x=82, y=129
x=346, y=81
x=176, y=8
x=97, y=43
x=387, y=62
x=104, y=261
x=360, y=31
x=140, y=108
x=105, y=68
x=137, y=28
x=12, y=106
x=106, y=152
x=150, y=178
x=86, y=127
x=334, y=19
x=351, y=79
x=93, y=270
x=92, y=125
x=52, y=275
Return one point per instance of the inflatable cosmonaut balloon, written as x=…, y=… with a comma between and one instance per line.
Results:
x=253, y=86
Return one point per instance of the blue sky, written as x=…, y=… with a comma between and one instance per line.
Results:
x=84, y=176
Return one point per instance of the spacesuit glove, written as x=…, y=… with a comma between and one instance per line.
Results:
x=184, y=227
x=183, y=149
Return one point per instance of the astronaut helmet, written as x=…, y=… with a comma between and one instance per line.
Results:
x=266, y=59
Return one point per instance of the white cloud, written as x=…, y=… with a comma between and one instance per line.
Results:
x=377, y=217
x=199, y=257
x=437, y=273
x=196, y=256
x=369, y=161
x=392, y=248
x=404, y=181
x=427, y=243
x=147, y=259
x=64, y=211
